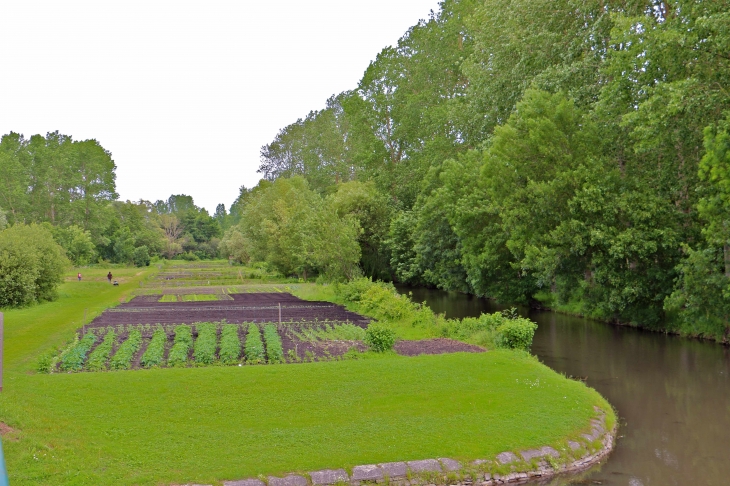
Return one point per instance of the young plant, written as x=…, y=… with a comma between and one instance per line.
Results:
x=205, y=344
x=155, y=351
x=99, y=358
x=274, y=349
x=74, y=359
x=181, y=347
x=254, y=347
x=122, y=359
x=230, y=344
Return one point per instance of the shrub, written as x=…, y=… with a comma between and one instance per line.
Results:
x=74, y=359
x=274, y=349
x=98, y=359
x=141, y=256
x=230, y=344
x=181, y=346
x=122, y=359
x=254, y=348
x=31, y=265
x=379, y=338
x=205, y=344
x=517, y=333
x=155, y=351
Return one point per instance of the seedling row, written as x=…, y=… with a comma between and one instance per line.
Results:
x=203, y=344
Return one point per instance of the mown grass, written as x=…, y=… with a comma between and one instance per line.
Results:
x=206, y=425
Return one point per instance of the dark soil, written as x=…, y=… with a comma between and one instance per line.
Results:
x=253, y=307
x=434, y=346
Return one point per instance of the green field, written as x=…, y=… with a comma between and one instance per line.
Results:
x=206, y=425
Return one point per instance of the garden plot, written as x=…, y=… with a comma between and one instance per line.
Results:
x=259, y=308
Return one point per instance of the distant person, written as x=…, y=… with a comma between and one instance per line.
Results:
x=79, y=276
x=109, y=277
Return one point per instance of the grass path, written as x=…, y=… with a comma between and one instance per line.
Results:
x=206, y=425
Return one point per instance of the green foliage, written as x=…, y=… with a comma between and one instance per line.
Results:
x=99, y=359
x=274, y=349
x=379, y=338
x=31, y=265
x=141, y=256
x=331, y=332
x=122, y=359
x=77, y=243
x=517, y=333
x=74, y=359
x=230, y=352
x=253, y=347
x=181, y=346
x=205, y=343
x=154, y=354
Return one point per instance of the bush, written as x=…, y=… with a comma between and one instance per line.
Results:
x=254, y=348
x=517, y=333
x=31, y=265
x=155, y=351
x=379, y=338
x=274, y=349
x=141, y=256
x=181, y=346
x=122, y=359
x=205, y=344
x=74, y=359
x=98, y=359
x=230, y=344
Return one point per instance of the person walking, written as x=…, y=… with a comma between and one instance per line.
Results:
x=79, y=275
x=109, y=277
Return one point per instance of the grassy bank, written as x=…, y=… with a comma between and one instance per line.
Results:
x=206, y=425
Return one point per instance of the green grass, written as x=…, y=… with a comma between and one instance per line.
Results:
x=205, y=425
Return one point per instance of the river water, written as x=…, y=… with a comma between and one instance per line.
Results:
x=672, y=394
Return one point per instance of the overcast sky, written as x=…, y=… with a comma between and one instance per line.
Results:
x=183, y=94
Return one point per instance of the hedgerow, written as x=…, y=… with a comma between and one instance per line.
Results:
x=254, y=347
x=74, y=359
x=274, y=349
x=205, y=344
x=181, y=347
x=123, y=357
x=99, y=358
x=155, y=351
x=230, y=351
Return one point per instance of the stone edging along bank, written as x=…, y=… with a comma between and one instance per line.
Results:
x=535, y=465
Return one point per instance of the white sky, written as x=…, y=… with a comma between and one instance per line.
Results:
x=184, y=94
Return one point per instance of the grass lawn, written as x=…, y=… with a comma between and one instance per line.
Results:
x=206, y=425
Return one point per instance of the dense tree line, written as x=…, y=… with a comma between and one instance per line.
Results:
x=69, y=186
x=571, y=152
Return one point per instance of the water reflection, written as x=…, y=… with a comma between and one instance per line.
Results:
x=672, y=394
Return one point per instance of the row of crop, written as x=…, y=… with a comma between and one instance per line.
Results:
x=205, y=349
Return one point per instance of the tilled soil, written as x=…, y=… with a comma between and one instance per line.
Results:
x=434, y=346
x=254, y=307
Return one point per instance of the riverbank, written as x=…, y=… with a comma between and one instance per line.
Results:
x=210, y=425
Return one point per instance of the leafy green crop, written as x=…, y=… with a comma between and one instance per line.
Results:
x=254, y=347
x=123, y=357
x=230, y=344
x=205, y=344
x=274, y=350
x=155, y=351
x=98, y=359
x=74, y=359
x=328, y=332
x=181, y=347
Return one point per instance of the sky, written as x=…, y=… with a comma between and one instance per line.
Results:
x=184, y=94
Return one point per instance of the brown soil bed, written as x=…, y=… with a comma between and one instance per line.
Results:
x=434, y=346
x=254, y=307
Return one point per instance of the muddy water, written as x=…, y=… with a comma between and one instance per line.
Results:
x=672, y=394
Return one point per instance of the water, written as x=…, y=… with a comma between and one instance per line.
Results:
x=672, y=394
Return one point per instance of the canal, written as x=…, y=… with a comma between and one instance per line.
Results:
x=672, y=394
